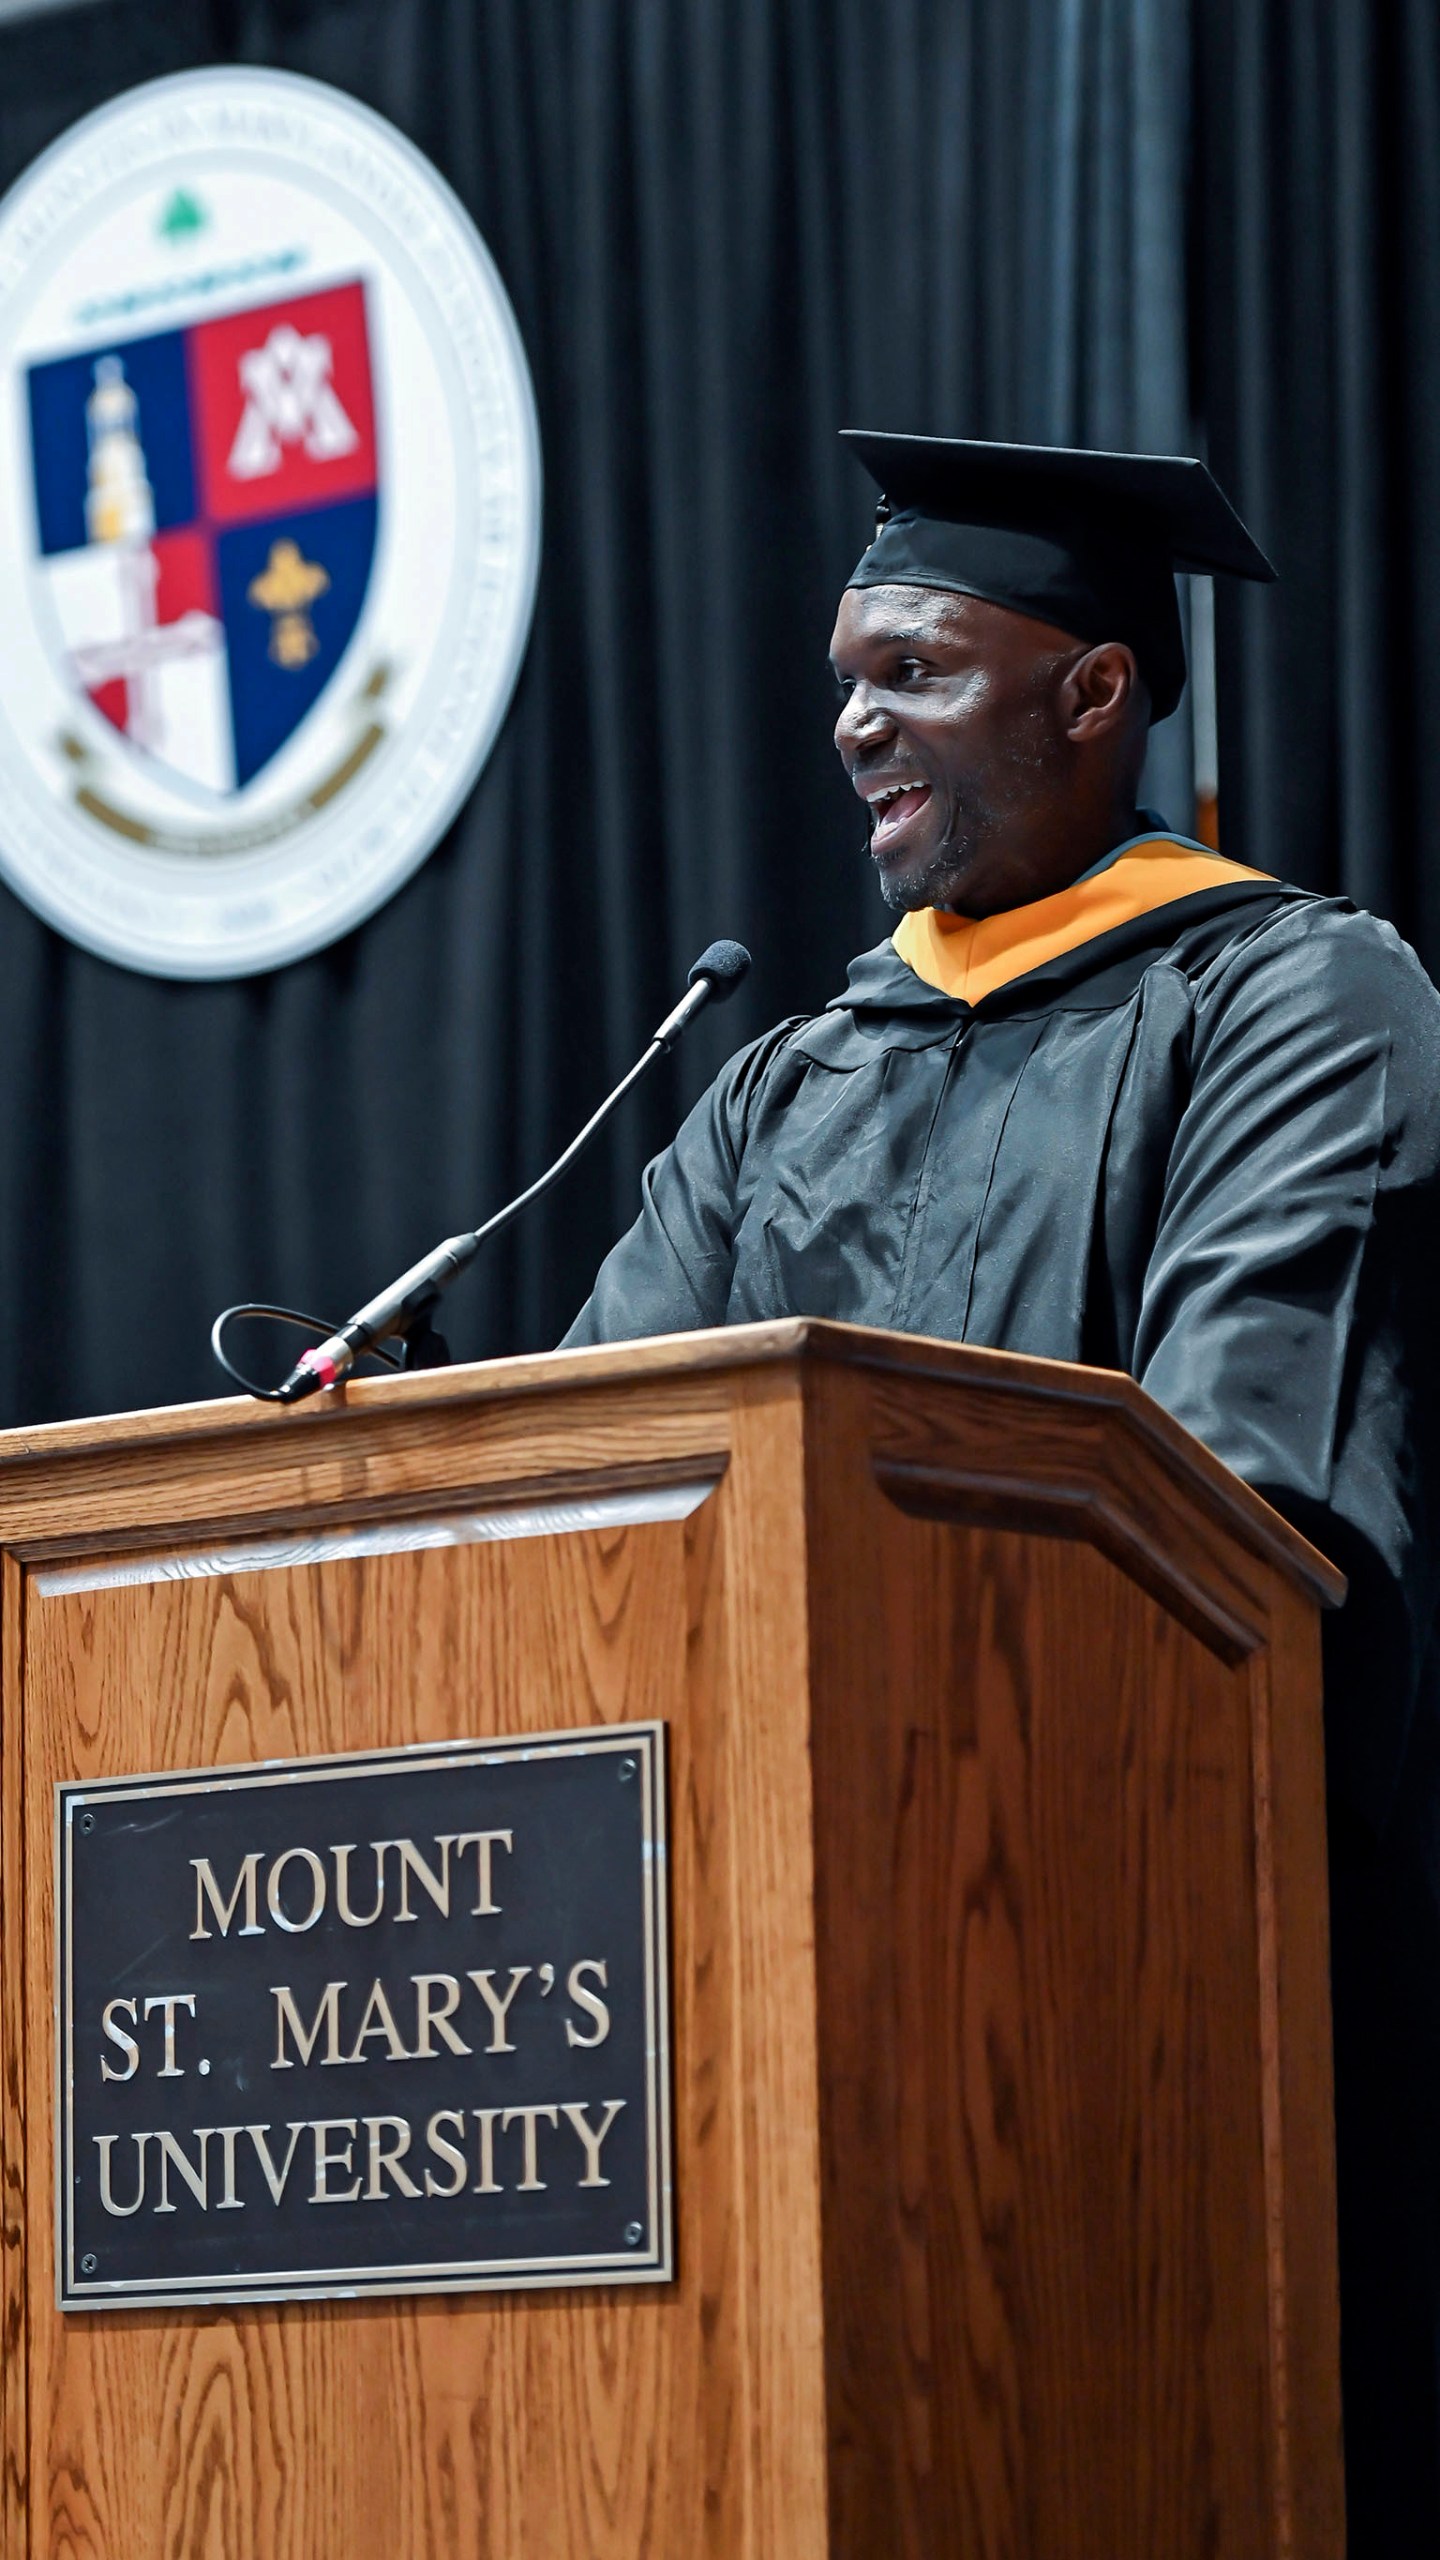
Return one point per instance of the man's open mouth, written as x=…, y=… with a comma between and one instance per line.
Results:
x=892, y=810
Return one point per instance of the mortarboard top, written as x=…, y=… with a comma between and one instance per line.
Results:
x=1086, y=541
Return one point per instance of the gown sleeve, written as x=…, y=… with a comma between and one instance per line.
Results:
x=671, y=1271
x=1285, y=1317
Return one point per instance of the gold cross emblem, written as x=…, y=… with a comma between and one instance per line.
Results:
x=286, y=589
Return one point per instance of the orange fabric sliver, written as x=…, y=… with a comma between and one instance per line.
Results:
x=970, y=956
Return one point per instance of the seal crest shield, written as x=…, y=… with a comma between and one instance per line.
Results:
x=206, y=503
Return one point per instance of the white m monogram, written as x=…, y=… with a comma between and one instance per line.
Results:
x=290, y=399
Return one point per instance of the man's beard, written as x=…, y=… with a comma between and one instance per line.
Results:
x=978, y=815
x=935, y=878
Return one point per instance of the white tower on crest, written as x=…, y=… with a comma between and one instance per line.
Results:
x=119, y=502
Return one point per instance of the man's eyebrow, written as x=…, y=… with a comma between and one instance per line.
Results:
x=898, y=640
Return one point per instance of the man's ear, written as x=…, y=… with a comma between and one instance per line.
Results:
x=1102, y=692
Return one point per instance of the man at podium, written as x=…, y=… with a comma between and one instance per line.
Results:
x=1105, y=1096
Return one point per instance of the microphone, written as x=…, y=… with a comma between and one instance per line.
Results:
x=407, y=1303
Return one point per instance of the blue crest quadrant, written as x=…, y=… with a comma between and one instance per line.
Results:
x=270, y=692
x=59, y=439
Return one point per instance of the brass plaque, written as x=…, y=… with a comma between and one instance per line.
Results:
x=381, y=2022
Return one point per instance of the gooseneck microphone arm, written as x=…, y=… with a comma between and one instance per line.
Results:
x=405, y=1307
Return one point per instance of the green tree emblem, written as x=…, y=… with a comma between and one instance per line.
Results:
x=183, y=215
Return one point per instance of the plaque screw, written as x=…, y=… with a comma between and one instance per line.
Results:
x=627, y=1770
x=89, y=2263
x=634, y=2234
x=87, y=1821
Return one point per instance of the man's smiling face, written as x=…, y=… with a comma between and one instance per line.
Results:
x=958, y=735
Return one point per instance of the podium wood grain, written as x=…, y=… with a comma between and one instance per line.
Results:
x=1002, y=2108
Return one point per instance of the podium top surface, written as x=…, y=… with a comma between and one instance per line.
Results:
x=41, y=1461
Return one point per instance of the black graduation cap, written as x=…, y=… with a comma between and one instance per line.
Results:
x=1087, y=541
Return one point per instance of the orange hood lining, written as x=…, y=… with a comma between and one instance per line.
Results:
x=970, y=956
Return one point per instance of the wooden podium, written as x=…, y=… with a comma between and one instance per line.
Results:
x=1004, y=2188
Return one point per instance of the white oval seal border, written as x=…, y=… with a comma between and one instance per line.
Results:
x=252, y=886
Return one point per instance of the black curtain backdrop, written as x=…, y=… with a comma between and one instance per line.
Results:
x=1316, y=308
x=729, y=227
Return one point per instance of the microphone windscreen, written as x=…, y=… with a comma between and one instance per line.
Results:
x=724, y=964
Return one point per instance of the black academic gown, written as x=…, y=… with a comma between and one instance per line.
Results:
x=1202, y=1148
